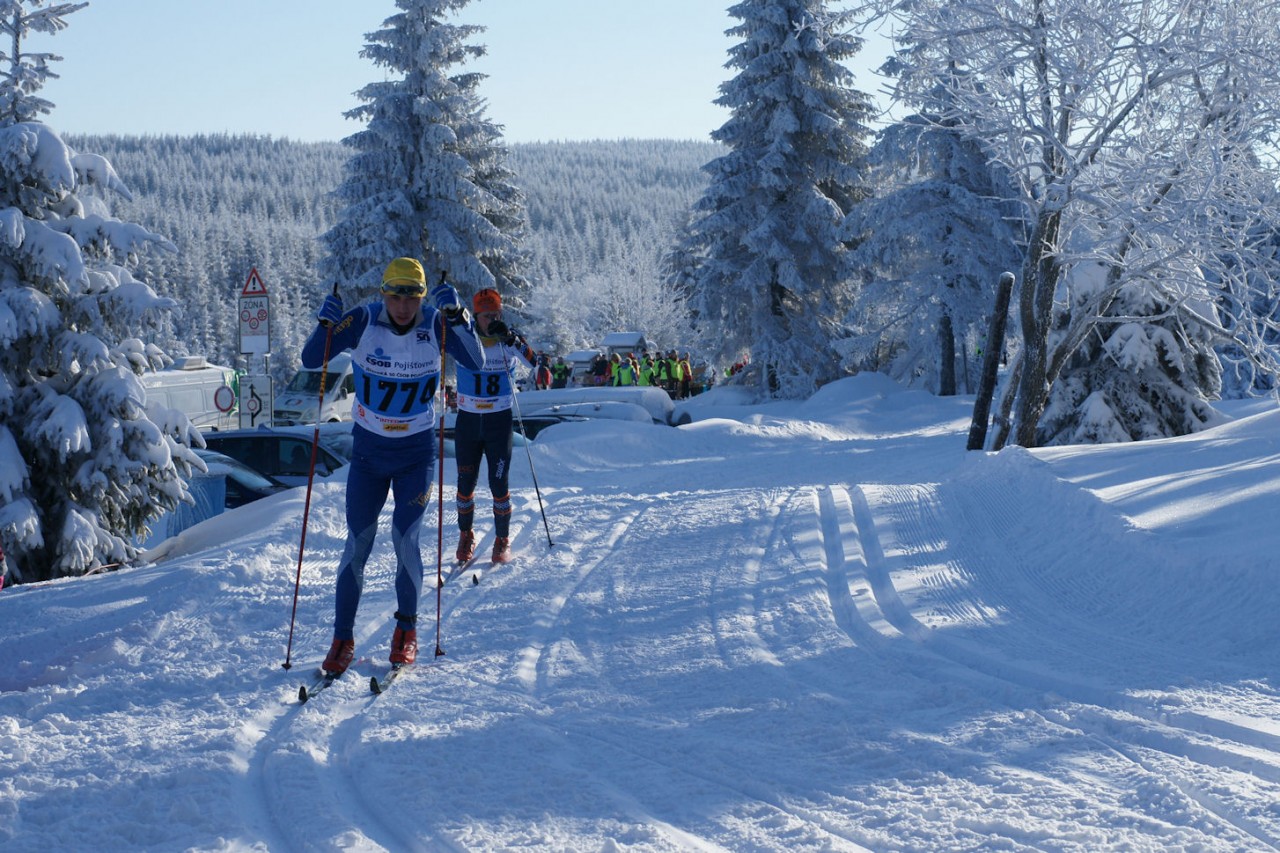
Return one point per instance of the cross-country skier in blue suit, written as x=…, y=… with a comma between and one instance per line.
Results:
x=395, y=353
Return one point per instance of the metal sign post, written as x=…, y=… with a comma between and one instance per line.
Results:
x=255, y=338
x=255, y=401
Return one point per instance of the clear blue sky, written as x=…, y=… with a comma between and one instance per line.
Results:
x=557, y=69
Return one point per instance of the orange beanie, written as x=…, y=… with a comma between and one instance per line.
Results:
x=486, y=300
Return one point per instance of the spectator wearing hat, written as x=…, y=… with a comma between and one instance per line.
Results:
x=396, y=344
x=560, y=373
x=624, y=371
x=648, y=373
x=686, y=377
x=483, y=428
x=542, y=373
x=600, y=368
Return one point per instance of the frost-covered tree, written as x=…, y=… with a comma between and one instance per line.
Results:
x=429, y=178
x=23, y=73
x=1116, y=119
x=1142, y=374
x=769, y=264
x=82, y=467
x=929, y=247
x=626, y=293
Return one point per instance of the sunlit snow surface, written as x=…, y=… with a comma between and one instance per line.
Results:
x=811, y=626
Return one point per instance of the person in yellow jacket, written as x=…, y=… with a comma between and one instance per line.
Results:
x=624, y=372
x=648, y=373
x=686, y=377
x=673, y=359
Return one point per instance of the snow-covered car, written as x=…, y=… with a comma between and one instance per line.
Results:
x=530, y=426
x=243, y=484
x=284, y=454
x=655, y=402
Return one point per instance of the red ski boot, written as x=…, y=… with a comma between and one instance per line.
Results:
x=501, y=549
x=404, y=646
x=466, y=546
x=340, y=655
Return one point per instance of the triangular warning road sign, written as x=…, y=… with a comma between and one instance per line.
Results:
x=254, y=286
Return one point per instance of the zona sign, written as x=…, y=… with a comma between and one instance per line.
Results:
x=254, y=315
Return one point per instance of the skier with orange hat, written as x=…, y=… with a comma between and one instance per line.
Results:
x=483, y=428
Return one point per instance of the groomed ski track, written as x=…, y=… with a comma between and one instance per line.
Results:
x=720, y=653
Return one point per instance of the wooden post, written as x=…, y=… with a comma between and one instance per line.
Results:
x=990, y=364
x=947, y=365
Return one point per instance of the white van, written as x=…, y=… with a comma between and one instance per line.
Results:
x=622, y=343
x=296, y=404
x=580, y=362
x=191, y=386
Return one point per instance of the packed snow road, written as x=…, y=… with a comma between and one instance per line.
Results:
x=807, y=627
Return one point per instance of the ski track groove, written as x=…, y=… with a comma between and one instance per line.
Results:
x=273, y=758
x=750, y=608
x=858, y=578
x=834, y=838
x=532, y=665
x=848, y=588
x=1097, y=716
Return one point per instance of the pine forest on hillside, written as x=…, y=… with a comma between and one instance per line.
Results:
x=232, y=203
x=1117, y=161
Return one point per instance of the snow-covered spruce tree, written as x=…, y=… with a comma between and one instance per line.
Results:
x=1143, y=373
x=1115, y=119
x=82, y=468
x=770, y=267
x=429, y=178
x=929, y=247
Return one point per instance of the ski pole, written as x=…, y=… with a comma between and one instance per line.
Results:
x=515, y=399
x=311, y=474
x=444, y=407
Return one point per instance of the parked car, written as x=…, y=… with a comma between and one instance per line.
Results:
x=653, y=403
x=244, y=485
x=531, y=425
x=450, y=418
x=284, y=455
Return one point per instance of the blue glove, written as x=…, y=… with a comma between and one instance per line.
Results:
x=331, y=311
x=445, y=298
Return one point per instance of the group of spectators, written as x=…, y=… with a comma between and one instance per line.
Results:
x=671, y=372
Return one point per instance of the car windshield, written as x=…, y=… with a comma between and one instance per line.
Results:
x=219, y=463
x=306, y=382
x=337, y=443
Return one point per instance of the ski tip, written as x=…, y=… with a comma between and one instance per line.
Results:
x=475, y=580
x=303, y=695
x=374, y=686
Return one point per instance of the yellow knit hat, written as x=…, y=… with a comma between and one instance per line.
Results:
x=404, y=277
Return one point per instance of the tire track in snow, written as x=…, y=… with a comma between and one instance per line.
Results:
x=1098, y=716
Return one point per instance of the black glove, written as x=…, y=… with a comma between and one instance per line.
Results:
x=499, y=330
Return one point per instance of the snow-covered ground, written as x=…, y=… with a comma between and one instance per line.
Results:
x=812, y=626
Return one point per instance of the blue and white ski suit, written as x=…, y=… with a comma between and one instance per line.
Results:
x=483, y=429
x=394, y=447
